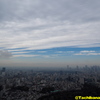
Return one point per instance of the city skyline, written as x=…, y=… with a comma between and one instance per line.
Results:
x=49, y=33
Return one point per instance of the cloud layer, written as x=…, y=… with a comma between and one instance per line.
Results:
x=42, y=24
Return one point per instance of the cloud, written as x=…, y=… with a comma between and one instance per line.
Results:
x=88, y=53
x=39, y=24
x=64, y=52
x=19, y=52
x=5, y=54
x=23, y=55
x=59, y=52
x=41, y=51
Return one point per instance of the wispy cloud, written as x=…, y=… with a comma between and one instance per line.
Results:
x=88, y=53
x=85, y=51
x=23, y=55
x=41, y=51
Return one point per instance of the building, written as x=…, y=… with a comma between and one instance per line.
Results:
x=3, y=71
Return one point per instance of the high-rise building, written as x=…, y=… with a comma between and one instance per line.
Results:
x=68, y=67
x=3, y=71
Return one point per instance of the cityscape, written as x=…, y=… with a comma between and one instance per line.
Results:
x=29, y=84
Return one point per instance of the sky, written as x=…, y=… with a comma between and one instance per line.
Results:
x=49, y=33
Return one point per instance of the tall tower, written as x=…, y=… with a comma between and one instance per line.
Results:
x=67, y=67
x=3, y=71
